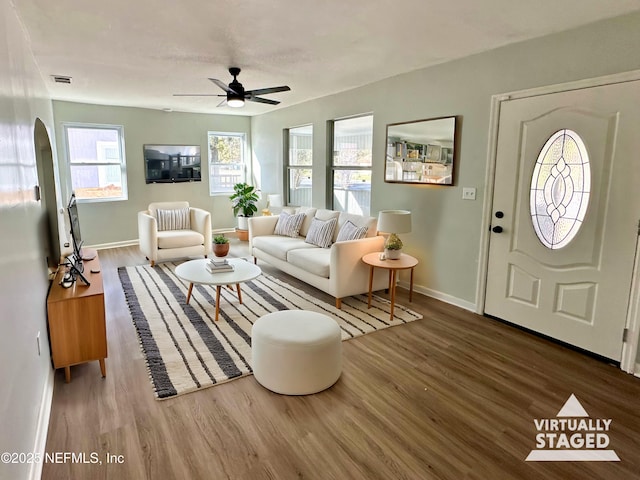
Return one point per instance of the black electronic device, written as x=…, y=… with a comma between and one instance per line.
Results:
x=172, y=163
x=76, y=267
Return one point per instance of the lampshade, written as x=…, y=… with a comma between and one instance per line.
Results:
x=234, y=100
x=274, y=200
x=394, y=221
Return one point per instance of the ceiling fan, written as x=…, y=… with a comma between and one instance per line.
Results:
x=236, y=94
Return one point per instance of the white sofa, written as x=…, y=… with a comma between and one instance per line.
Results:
x=159, y=245
x=337, y=270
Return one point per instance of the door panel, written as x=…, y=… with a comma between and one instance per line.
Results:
x=578, y=293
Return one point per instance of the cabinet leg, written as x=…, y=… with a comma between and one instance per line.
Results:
x=67, y=374
x=103, y=367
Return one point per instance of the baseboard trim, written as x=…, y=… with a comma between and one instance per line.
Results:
x=104, y=246
x=636, y=372
x=445, y=297
x=42, y=427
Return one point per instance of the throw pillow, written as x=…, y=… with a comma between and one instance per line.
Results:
x=289, y=225
x=179, y=219
x=349, y=231
x=321, y=232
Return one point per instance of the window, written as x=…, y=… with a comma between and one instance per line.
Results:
x=299, y=161
x=560, y=187
x=96, y=161
x=351, y=166
x=226, y=161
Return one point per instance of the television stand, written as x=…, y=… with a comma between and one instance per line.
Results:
x=76, y=317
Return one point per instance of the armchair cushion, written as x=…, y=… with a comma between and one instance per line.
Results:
x=175, y=219
x=179, y=238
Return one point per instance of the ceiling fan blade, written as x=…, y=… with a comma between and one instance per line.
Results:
x=262, y=100
x=223, y=103
x=222, y=85
x=264, y=91
x=197, y=95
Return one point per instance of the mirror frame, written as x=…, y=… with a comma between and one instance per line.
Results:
x=429, y=151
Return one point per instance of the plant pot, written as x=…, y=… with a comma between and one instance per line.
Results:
x=243, y=235
x=220, y=249
x=392, y=254
x=243, y=223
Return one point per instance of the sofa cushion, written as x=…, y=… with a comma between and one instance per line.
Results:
x=289, y=225
x=359, y=221
x=278, y=245
x=179, y=238
x=310, y=212
x=349, y=231
x=175, y=219
x=321, y=232
x=323, y=214
x=314, y=260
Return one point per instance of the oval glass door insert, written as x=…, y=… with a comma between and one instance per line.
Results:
x=560, y=187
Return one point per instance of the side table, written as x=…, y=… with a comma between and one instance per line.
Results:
x=405, y=262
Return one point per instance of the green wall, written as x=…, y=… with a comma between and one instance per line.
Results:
x=446, y=229
x=116, y=221
x=26, y=375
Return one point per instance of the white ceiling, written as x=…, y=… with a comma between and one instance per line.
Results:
x=139, y=52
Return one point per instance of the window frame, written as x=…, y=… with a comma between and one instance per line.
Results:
x=332, y=168
x=243, y=163
x=123, y=159
x=288, y=167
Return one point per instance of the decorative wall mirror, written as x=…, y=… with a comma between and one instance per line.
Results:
x=421, y=151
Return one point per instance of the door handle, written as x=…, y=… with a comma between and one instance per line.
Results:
x=499, y=214
x=497, y=229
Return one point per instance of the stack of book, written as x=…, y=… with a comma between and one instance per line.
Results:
x=219, y=266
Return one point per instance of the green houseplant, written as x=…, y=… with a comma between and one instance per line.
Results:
x=244, y=203
x=393, y=247
x=220, y=246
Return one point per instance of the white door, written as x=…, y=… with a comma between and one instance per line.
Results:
x=562, y=264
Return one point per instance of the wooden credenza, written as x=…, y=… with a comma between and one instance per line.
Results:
x=77, y=328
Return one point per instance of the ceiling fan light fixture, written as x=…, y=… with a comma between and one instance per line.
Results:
x=235, y=100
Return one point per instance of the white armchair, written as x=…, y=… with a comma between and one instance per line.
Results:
x=179, y=235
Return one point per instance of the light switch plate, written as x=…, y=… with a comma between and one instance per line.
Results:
x=468, y=193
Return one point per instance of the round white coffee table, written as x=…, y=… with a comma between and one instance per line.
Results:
x=195, y=272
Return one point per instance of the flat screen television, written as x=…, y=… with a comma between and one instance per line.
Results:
x=172, y=163
x=79, y=254
x=76, y=237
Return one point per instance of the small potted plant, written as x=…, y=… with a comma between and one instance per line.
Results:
x=220, y=246
x=393, y=247
x=244, y=202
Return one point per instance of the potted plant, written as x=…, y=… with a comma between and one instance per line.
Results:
x=220, y=246
x=243, y=201
x=393, y=247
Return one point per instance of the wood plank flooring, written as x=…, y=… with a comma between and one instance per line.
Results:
x=451, y=396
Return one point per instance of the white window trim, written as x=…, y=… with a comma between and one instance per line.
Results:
x=335, y=168
x=245, y=165
x=289, y=167
x=123, y=162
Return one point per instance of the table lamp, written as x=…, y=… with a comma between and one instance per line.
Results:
x=394, y=222
x=273, y=200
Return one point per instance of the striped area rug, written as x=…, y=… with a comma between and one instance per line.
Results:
x=186, y=350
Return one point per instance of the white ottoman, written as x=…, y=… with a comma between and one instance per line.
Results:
x=296, y=352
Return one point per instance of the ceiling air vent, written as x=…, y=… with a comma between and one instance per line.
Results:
x=61, y=79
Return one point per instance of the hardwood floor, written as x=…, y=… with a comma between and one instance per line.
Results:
x=451, y=396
